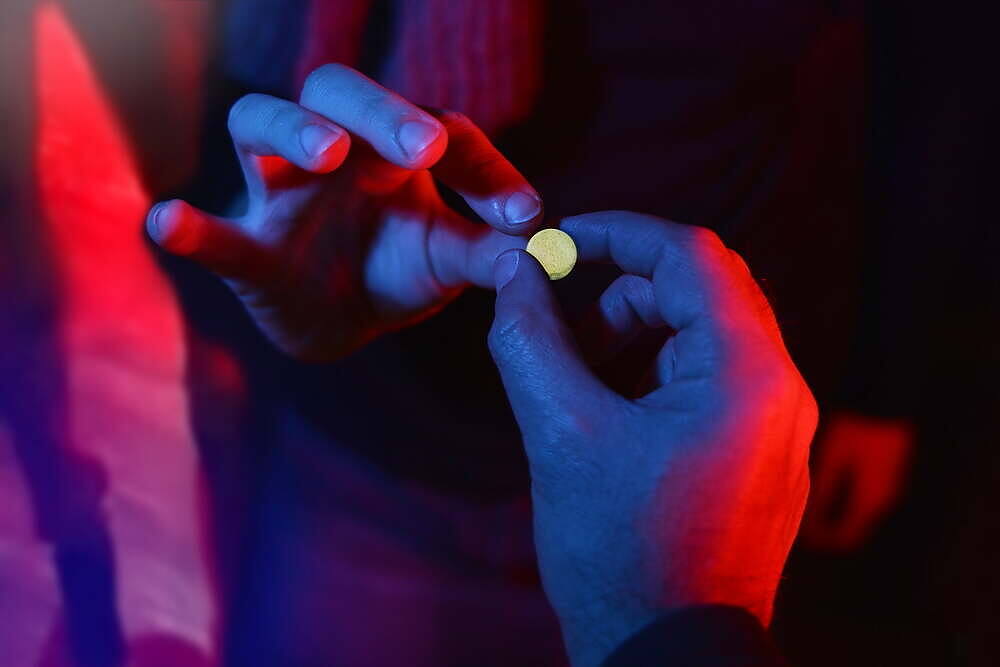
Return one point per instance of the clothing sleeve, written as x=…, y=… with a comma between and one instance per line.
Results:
x=708, y=636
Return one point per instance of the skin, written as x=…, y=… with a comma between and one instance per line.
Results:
x=345, y=235
x=689, y=495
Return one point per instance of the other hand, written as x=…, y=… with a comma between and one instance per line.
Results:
x=345, y=235
x=692, y=493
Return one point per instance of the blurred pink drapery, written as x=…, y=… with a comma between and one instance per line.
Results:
x=123, y=343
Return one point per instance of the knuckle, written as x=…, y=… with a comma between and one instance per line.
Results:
x=629, y=286
x=630, y=282
x=781, y=387
x=322, y=79
x=242, y=108
x=287, y=117
x=627, y=291
x=739, y=260
x=484, y=162
x=777, y=378
x=511, y=335
x=704, y=239
x=375, y=108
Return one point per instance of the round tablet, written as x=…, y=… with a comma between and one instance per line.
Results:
x=554, y=250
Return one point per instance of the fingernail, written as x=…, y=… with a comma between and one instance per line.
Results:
x=155, y=231
x=521, y=207
x=415, y=136
x=317, y=138
x=505, y=267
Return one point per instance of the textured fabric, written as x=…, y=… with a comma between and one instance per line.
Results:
x=481, y=58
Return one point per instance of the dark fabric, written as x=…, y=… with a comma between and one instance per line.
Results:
x=930, y=248
x=709, y=636
x=924, y=590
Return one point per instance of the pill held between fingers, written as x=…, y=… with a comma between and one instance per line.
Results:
x=555, y=251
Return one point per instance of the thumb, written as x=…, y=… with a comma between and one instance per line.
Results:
x=545, y=378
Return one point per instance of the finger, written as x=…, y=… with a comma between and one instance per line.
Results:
x=215, y=243
x=690, y=260
x=545, y=379
x=399, y=131
x=265, y=126
x=463, y=253
x=699, y=290
x=488, y=182
x=626, y=308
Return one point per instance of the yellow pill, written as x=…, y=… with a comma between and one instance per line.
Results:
x=555, y=251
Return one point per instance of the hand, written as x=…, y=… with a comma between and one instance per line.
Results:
x=345, y=235
x=858, y=476
x=691, y=494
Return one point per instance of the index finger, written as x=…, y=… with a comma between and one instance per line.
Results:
x=474, y=168
x=699, y=287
